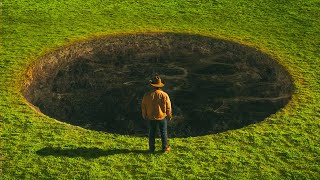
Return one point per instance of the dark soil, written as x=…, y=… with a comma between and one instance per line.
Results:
x=214, y=85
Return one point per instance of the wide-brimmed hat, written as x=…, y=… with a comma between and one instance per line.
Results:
x=156, y=82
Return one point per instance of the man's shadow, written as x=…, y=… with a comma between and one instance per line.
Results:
x=86, y=152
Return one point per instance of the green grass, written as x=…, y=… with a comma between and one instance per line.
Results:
x=284, y=146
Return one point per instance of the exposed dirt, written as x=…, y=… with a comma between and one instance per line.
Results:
x=214, y=85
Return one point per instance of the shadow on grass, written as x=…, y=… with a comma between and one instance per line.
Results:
x=86, y=152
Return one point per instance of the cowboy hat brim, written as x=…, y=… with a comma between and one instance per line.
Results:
x=157, y=85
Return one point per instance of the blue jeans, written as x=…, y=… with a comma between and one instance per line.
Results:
x=153, y=125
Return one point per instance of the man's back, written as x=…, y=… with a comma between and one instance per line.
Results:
x=156, y=105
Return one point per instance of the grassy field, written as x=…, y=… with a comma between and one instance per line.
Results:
x=284, y=146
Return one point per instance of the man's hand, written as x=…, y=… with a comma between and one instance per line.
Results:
x=170, y=117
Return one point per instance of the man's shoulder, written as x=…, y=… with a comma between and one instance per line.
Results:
x=148, y=93
x=158, y=92
x=163, y=93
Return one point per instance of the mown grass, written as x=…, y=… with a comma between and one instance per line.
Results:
x=284, y=146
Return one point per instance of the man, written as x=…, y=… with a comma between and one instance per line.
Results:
x=156, y=107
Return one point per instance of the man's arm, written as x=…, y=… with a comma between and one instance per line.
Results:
x=168, y=108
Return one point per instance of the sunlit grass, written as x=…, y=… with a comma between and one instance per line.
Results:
x=285, y=145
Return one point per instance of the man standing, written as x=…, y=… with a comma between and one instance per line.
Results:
x=156, y=107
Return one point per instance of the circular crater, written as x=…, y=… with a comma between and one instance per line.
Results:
x=214, y=85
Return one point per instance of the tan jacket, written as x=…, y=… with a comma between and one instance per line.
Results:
x=156, y=105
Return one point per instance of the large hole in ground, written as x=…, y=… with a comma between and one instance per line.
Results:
x=215, y=85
